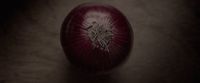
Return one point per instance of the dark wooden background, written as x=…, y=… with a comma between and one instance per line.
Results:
x=166, y=46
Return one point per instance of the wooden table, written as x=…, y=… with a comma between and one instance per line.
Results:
x=166, y=43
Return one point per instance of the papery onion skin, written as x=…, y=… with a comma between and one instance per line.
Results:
x=96, y=37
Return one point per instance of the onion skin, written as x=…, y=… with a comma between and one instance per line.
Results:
x=96, y=37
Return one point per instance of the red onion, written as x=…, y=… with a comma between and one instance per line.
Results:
x=96, y=37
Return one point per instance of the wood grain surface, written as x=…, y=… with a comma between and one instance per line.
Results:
x=166, y=42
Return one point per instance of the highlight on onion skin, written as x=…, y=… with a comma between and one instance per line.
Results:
x=96, y=37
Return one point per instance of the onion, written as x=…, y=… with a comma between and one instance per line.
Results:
x=96, y=37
